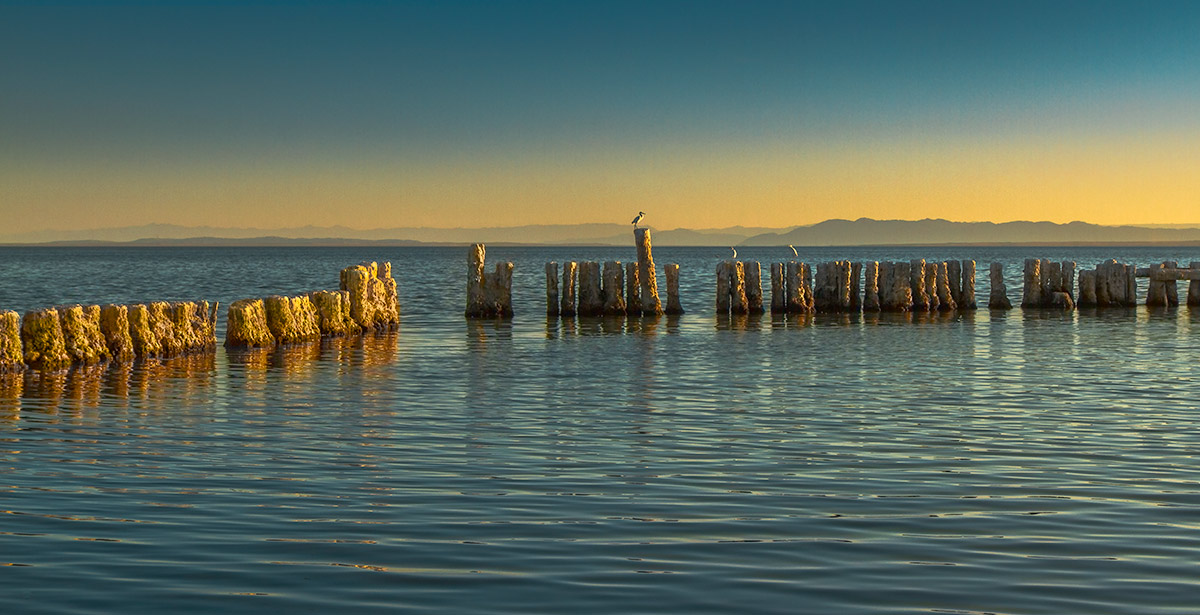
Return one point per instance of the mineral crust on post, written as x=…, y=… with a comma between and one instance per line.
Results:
x=42, y=341
x=754, y=294
x=968, y=285
x=567, y=307
x=613, y=288
x=246, y=325
x=82, y=338
x=590, y=301
x=998, y=293
x=633, y=290
x=552, y=289
x=12, y=359
x=871, y=286
x=650, y=303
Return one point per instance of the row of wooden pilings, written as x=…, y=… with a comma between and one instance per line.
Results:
x=57, y=338
x=885, y=286
x=1052, y=284
x=367, y=300
x=586, y=289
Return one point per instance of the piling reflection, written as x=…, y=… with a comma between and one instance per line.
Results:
x=600, y=326
x=148, y=384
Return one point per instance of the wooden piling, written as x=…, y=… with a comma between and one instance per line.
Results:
x=475, y=282
x=552, y=289
x=12, y=359
x=1087, y=288
x=1068, y=277
x=42, y=341
x=569, y=275
x=724, y=279
x=738, y=302
x=499, y=291
x=650, y=303
x=778, y=289
x=998, y=291
x=754, y=293
x=82, y=338
x=1032, y=295
x=795, y=287
x=590, y=301
x=245, y=327
x=613, y=289
x=1171, y=288
x=633, y=290
x=333, y=313
x=954, y=281
x=945, y=294
x=968, y=285
x=855, y=276
x=1156, y=291
x=920, y=295
x=674, y=308
x=871, y=286
x=931, y=276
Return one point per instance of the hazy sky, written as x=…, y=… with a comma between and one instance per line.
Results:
x=504, y=113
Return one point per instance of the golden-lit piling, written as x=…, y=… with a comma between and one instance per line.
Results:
x=12, y=358
x=920, y=293
x=245, y=325
x=967, y=300
x=42, y=340
x=871, y=286
x=754, y=293
x=778, y=289
x=650, y=303
x=945, y=294
x=82, y=338
x=374, y=294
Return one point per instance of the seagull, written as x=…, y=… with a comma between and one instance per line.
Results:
x=641, y=214
x=734, y=251
x=794, y=253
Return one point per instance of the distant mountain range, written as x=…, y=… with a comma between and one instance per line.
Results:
x=864, y=231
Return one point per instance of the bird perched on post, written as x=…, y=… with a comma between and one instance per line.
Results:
x=641, y=214
x=734, y=251
x=794, y=253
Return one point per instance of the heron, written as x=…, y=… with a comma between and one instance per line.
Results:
x=794, y=253
x=734, y=251
x=641, y=214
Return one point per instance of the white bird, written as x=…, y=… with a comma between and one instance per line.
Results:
x=641, y=214
x=734, y=251
x=794, y=253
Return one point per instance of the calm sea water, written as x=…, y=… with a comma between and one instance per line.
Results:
x=1034, y=463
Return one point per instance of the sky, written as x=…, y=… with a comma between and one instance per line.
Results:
x=504, y=113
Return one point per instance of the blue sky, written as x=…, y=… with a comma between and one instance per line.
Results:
x=157, y=98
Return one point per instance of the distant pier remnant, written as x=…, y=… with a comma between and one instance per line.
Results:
x=674, y=308
x=1048, y=284
x=1162, y=290
x=488, y=295
x=650, y=303
x=998, y=296
x=833, y=290
x=731, y=288
x=374, y=299
x=1110, y=284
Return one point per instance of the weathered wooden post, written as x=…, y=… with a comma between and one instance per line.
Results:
x=871, y=286
x=552, y=289
x=82, y=338
x=476, y=281
x=1087, y=288
x=724, y=280
x=614, y=289
x=1172, y=288
x=920, y=296
x=42, y=340
x=674, y=308
x=500, y=290
x=1193, y=298
x=633, y=290
x=778, y=289
x=1130, y=285
x=567, y=306
x=795, y=287
x=738, y=302
x=1032, y=296
x=855, y=276
x=1156, y=291
x=650, y=303
x=946, y=302
x=114, y=325
x=1068, y=277
x=931, y=284
x=754, y=294
x=968, y=286
x=998, y=294
x=954, y=281
x=590, y=301
x=824, y=289
x=333, y=313
x=12, y=355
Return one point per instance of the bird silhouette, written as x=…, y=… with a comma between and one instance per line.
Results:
x=734, y=251
x=641, y=214
x=794, y=253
